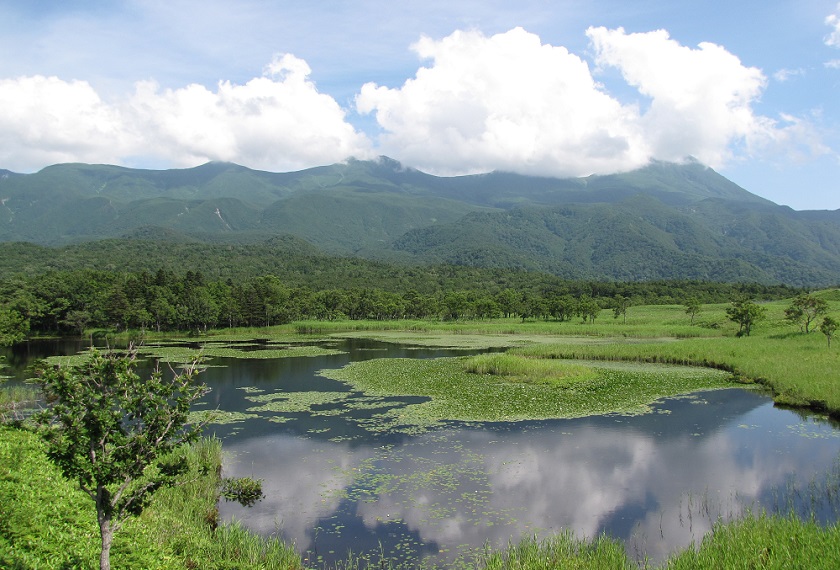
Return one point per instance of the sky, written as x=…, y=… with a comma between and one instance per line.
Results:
x=450, y=87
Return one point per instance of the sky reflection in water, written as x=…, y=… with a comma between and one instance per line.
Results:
x=657, y=481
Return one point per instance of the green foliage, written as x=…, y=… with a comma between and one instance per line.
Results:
x=519, y=387
x=631, y=226
x=562, y=550
x=16, y=402
x=521, y=369
x=73, y=302
x=804, y=309
x=764, y=542
x=244, y=490
x=114, y=433
x=828, y=327
x=45, y=521
x=13, y=326
x=620, y=306
x=746, y=313
x=692, y=308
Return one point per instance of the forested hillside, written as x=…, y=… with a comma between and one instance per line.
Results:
x=664, y=221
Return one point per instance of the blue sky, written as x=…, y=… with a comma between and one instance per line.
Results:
x=562, y=88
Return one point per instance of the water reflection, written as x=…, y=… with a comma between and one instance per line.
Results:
x=657, y=481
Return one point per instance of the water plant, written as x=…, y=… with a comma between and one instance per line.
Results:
x=457, y=394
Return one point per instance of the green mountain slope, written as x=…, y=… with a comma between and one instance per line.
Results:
x=663, y=221
x=637, y=239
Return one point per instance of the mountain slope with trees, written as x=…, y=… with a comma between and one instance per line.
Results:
x=663, y=221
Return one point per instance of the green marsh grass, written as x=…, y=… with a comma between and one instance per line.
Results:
x=16, y=401
x=764, y=542
x=517, y=368
x=562, y=550
x=800, y=370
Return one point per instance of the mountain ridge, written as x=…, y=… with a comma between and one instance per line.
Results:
x=664, y=220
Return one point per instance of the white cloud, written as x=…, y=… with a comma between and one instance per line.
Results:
x=700, y=99
x=510, y=102
x=783, y=75
x=505, y=102
x=275, y=122
x=833, y=20
x=833, y=64
x=44, y=120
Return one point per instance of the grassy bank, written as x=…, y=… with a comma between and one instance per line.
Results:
x=800, y=369
x=47, y=522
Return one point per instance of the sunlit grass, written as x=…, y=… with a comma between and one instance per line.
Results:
x=563, y=550
x=516, y=368
x=801, y=370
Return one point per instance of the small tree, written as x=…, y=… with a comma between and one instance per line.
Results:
x=804, y=310
x=114, y=432
x=746, y=313
x=588, y=308
x=692, y=308
x=828, y=327
x=622, y=303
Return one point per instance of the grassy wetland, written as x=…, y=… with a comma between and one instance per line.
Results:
x=538, y=370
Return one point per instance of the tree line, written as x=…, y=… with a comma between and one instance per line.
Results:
x=70, y=302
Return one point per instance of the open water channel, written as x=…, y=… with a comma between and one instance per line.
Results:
x=334, y=483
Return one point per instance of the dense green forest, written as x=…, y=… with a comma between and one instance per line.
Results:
x=72, y=301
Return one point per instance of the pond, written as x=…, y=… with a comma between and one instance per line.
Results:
x=335, y=483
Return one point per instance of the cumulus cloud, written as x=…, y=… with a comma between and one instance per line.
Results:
x=278, y=121
x=479, y=103
x=833, y=21
x=511, y=102
x=45, y=120
x=700, y=99
x=504, y=102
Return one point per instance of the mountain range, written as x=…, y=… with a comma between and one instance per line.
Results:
x=663, y=221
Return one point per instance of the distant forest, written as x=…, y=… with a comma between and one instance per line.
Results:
x=116, y=286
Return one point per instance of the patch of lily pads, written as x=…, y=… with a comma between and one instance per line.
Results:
x=455, y=394
x=218, y=417
x=184, y=354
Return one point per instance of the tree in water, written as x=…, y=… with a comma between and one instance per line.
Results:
x=116, y=433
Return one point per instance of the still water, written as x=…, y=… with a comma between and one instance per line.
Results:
x=333, y=483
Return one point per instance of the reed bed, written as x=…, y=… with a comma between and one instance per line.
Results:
x=800, y=369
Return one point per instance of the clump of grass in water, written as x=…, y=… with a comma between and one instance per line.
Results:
x=563, y=550
x=521, y=369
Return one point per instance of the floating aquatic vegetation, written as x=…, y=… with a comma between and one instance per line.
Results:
x=293, y=401
x=184, y=354
x=456, y=394
x=219, y=417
